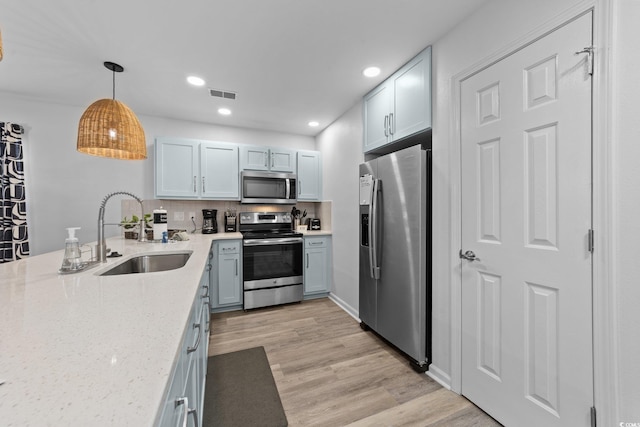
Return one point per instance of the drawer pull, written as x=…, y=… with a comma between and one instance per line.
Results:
x=195, y=347
x=187, y=411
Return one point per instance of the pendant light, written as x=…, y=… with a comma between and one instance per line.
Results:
x=108, y=128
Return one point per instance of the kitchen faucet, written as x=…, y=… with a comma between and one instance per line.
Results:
x=101, y=247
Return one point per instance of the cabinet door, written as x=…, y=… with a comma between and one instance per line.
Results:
x=172, y=413
x=412, y=97
x=219, y=174
x=309, y=175
x=201, y=357
x=229, y=279
x=254, y=158
x=228, y=289
x=282, y=160
x=316, y=265
x=377, y=108
x=176, y=168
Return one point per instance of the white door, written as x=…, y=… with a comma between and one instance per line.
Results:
x=526, y=215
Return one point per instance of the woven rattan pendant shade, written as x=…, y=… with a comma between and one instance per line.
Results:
x=1, y=46
x=108, y=128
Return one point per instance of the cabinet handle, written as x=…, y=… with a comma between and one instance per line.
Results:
x=236, y=267
x=307, y=260
x=391, y=127
x=193, y=412
x=195, y=347
x=194, y=184
x=265, y=159
x=208, y=317
x=272, y=160
x=203, y=185
x=207, y=294
x=188, y=411
x=299, y=187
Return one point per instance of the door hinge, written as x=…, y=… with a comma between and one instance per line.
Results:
x=593, y=416
x=589, y=50
x=592, y=240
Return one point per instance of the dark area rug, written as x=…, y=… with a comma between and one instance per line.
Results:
x=241, y=391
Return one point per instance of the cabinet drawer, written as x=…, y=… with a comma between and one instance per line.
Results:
x=228, y=248
x=315, y=242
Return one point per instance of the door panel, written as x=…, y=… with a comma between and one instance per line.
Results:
x=526, y=212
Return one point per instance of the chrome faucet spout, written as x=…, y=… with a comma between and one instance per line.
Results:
x=101, y=247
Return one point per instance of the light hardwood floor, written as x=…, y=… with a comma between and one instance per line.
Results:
x=329, y=372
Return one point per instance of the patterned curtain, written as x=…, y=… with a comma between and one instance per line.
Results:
x=14, y=239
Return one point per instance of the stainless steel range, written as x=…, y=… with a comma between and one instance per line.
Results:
x=271, y=260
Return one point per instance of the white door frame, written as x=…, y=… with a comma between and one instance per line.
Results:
x=604, y=321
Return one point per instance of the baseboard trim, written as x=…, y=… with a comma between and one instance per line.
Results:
x=439, y=376
x=343, y=305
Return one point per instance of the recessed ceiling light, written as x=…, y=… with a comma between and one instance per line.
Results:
x=371, y=71
x=224, y=111
x=314, y=124
x=195, y=80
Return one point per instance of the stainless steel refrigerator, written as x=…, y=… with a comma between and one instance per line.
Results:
x=395, y=251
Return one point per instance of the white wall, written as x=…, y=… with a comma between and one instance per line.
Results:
x=341, y=147
x=626, y=205
x=491, y=29
x=65, y=188
x=494, y=27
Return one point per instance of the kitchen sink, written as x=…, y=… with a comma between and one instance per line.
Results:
x=149, y=263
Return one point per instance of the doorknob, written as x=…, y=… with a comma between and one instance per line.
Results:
x=468, y=255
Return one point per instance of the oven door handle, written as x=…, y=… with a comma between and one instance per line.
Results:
x=268, y=242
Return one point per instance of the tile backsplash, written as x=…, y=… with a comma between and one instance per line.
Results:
x=179, y=212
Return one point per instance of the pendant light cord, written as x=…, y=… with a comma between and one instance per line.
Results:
x=114, y=84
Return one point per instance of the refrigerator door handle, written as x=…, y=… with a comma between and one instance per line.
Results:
x=373, y=230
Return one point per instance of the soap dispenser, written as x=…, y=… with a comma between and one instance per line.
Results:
x=72, y=257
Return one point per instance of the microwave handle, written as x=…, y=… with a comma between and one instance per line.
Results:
x=288, y=188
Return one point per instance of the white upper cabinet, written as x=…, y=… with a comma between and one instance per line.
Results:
x=192, y=169
x=267, y=159
x=309, y=175
x=219, y=171
x=400, y=106
x=176, y=168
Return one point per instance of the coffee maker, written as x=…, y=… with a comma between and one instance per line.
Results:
x=209, y=221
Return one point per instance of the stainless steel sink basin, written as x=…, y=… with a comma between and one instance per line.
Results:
x=149, y=263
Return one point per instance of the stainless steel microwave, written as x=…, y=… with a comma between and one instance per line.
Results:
x=268, y=187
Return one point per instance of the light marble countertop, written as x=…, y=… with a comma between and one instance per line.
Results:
x=85, y=350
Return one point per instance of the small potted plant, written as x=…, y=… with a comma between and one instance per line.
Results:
x=132, y=226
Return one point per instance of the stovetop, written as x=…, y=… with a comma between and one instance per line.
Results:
x=269, y=234
x=264, y=225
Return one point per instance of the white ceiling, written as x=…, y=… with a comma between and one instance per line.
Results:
x=290, y=61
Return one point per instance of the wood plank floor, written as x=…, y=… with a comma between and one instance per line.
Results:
x=329, y=372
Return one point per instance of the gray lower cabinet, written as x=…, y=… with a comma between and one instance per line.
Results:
x=226, y=275
x=184, y=402
x=317, y=266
